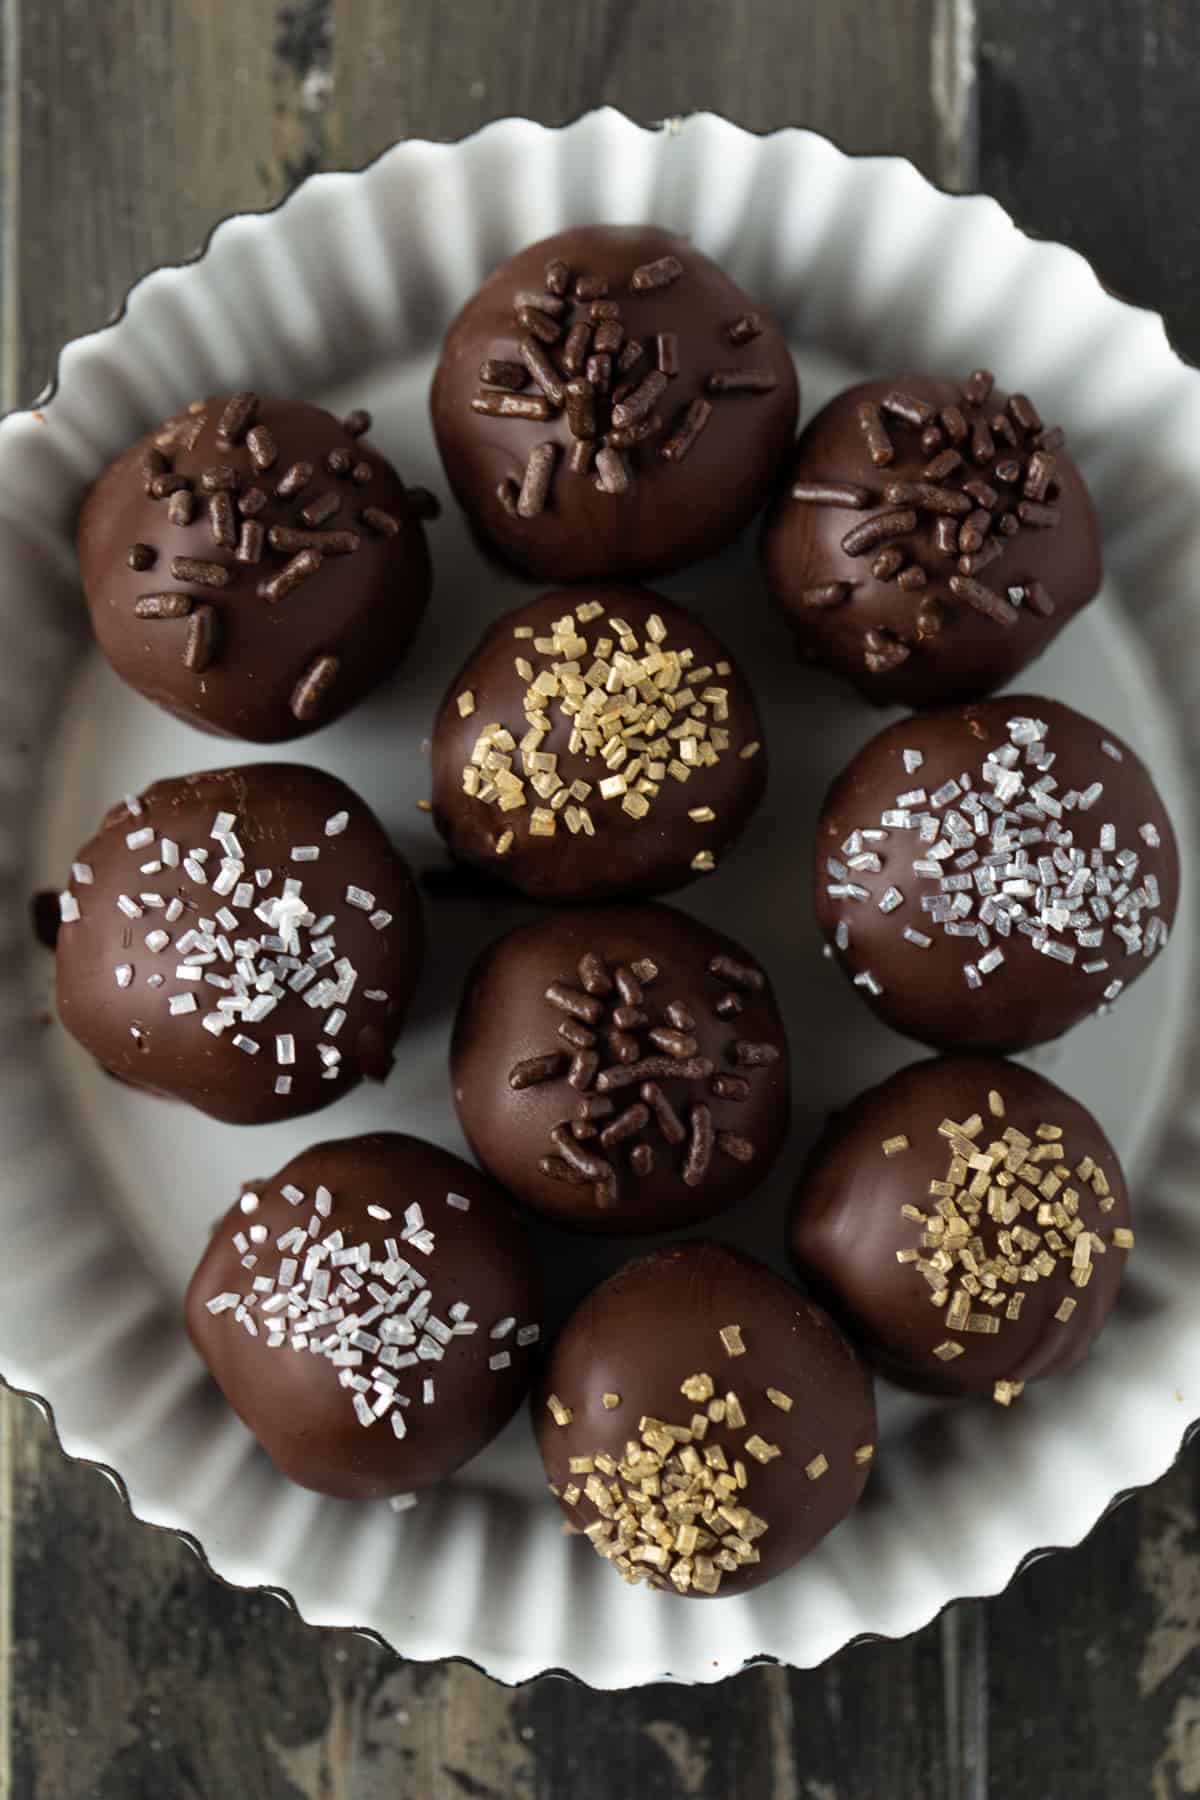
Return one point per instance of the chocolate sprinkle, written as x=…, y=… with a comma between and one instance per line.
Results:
x=658, y=274
x=288, y=538
x=536, y=485
x=200, y=646
x=984, y=599
x=878, y=529
x=687, y=429
x=500, y=374
x=162, y=606
x=181, y=507
x=357, y=422
x=879, y=445
x=512, y=406
x=221, y=521
x=832, y=493
x=830, y=593
x=250, y=542
x=312, y=687
x=239, y=414
x=141, y=557
x=379, y=521
x=741, y=381
x=299, y=569
x=222, y=478
x=205, y=574
x=264, y=452
x=322, y=508
x=296, y=478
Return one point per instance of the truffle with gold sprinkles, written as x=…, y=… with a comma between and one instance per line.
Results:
x=598, y=742
x=708, y=1476
x=989, y=1251
x=372, y=1312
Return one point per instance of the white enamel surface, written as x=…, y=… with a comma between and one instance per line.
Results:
x=342, y=295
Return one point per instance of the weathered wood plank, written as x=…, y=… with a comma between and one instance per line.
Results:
x=190, y=110
x=1089, y=132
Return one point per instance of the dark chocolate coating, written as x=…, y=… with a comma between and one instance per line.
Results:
x=675, y=511
x=504, y=1019
x=278, y=807
x=655, y=1323
x=847, y=1226
x=968, y=653
x=361, y=607
x=292, y=1401
x=625, y=856
x=1031, y=997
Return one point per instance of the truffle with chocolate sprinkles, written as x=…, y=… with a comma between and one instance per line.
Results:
x=258, y=523
x=988, y=875
x=597, y=742
x=621, y=1069
x=641, y=412
x=992, y=541
x=696, y=1472
x=246, y=940
x=372, y=1313
x=969, y=1224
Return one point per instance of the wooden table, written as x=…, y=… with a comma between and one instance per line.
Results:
x=128, y=128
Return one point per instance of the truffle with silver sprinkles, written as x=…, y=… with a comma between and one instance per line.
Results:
x=989, y=875
x=598, y=742
x=372, y=1313
x=702, y=1423
x=246, y=940
x=969, y=1224
x=253, y=566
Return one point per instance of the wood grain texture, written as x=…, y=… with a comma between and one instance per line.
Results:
x=127, y=127
x=1088, y=132
x=142, y=122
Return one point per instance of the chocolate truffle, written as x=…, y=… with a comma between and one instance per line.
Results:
x=968, y=1222
x=931, y=538
x=621, y=1069
x=703, y=1422
x=406, y=1277
x=245, y=939
x=597, y=742
x=990, y=874
x=610, y=405
x=253, y=567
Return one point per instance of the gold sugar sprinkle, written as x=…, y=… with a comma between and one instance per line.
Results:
x=580, y=1465
x=562, y=1415
x=704, y=862
x=610, y=1401
x=1005, y=1392
x=778, y=1398
x=697, y=1387
x=701, y=815
x=424, y=805
x=749, y=750
x=817, y=1467
x=465, y=704
x=864, y=1452
x=731, y=1338
x=759, y=1448
x=1065, y=1309
x=995, y=1104
x=504, y=843
x=1122, y=1238
x=948, y=1351
x=892, y=1146
x=734, y=1416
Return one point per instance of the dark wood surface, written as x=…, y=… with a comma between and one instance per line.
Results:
x=127, y=127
